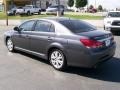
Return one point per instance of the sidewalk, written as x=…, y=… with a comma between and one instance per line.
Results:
x=97, y=23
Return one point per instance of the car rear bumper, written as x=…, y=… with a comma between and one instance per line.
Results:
x=92, y=59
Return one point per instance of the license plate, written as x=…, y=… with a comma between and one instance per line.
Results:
x=107, y=42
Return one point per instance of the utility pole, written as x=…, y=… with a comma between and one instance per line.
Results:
x=6, y=9
x=95, y=4
x=87, y=5
x=58, y=12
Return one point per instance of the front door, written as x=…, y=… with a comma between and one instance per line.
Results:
x=42, y=36
x=21, y=39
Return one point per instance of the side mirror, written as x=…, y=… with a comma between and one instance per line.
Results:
x=16, y=29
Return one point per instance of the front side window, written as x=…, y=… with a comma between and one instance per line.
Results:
x=27, y=26
x=77, y=26
x=43, y=26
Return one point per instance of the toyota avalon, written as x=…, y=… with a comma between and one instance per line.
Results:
x=62, y=41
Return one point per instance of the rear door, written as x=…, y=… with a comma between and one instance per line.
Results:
x=42, y=36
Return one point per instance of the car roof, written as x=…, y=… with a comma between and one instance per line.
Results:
x=57, y=19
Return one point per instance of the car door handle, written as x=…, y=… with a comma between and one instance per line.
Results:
x=50, y=38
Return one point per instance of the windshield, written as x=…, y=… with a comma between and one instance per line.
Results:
x=27, y=6
x=77, y=26
x=114, y=14
x=19, y=7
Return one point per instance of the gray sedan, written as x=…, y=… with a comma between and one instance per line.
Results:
x=62, y=41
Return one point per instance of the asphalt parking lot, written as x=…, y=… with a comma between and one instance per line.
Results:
x=20, y=71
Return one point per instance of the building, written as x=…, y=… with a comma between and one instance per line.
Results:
x=40, y=3
x=1, y=5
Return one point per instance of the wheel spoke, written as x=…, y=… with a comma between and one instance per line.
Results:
x=53, y=56
x=56, y=54
x=57, y=64
x=60, y=62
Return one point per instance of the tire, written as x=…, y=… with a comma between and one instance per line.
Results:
x=104, y=27
x=62, y=13
x=10, y=45
x=39, y=12
x=28, y=13
x=57, y=59
x=14, y=12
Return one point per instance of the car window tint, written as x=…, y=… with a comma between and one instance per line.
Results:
x=77, y=26
x=27, y=26
x=42, y=26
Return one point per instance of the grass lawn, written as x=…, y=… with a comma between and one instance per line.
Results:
x=89, y=17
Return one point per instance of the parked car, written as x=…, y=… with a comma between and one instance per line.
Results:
x=54, y=9
x=19, y=10
x=62, y=41
x=112, y=21
x=30, y=9
x=93, y=10
x=15, y=11
x=12, y=11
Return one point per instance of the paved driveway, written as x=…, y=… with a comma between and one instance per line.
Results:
x=20, y=71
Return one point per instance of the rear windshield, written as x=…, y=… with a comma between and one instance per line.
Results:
x=77, y=26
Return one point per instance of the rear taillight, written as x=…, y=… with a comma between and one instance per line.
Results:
x=91, y=43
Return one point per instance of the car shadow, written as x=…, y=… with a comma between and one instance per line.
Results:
x=33, y=57
x=108, y=71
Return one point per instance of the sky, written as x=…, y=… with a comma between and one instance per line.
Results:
x=109, y=4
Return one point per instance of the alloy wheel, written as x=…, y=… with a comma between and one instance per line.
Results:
x=57, y=59
x=10, y=45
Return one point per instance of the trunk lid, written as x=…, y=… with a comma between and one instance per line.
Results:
x=96, y=34
x=99, y=35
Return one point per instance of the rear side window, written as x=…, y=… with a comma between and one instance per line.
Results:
x=43, y=26
x=77, y=26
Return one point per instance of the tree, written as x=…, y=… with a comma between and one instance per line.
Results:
x=100, y=8
x=91, y=7
x=70, y=3
x=81, y=3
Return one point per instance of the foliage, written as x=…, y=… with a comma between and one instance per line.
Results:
x=81, y=3
x=70, y=3
x=100, y=8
